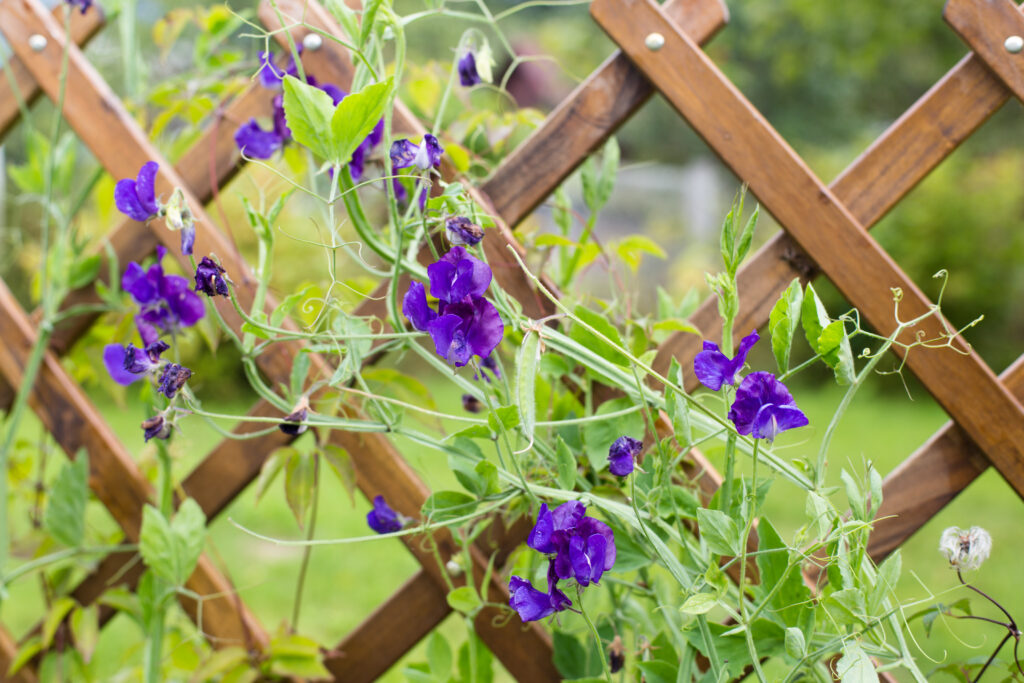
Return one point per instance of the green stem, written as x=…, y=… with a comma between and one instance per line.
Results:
x=154, y=646
x=748, y=524
x=578, y=253
x=597, y=637
x=307, y=551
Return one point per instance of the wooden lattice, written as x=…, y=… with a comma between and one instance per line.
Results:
x=825, y=231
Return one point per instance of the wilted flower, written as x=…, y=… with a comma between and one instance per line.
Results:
x=965, y=550
x=209, y=278
x=465, y=324
x=165, y=301
x=583, y=547
x=713, y=368
x=173, y=378
x=126, y=364
x=156, y=427
x=622, y=454
x=295, y=422
x=471, y=404
x=137, y=198
x=532, y=604
x=423, y=156
x=383, y=519
x=468, y=75
x=764, y=407
x=462, y=232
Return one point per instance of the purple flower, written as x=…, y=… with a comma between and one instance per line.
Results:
x=764, y=407
x=462, y=232
x=271, y=75
x=173, y=378
x=383, y=519
x=357, y=164
x=126, y=364
x=468, y=75
x=137, y=198
x=294, y=422
x=405, y=154
x=583, y=547
x=256, y=143
x=156, y=427
x=209, y=278
x=464, y=324
x=471, y=404
x=532, y=604
x=491, y=364
x=165, y=301
x=83, y=4
x=713, y=368
x=622, y=454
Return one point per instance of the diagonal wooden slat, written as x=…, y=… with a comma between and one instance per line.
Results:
x=23, y=86
x=960, y=381
x=985, y=26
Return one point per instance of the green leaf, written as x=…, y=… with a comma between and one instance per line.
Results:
x=65, y=509
x=609, y=169
x=658, y=672
x=445, y=505
x=85, y=626
x=466, y=474
x=747, y=237
x=464, y=599
x=300, y=368
x=308, y=112
x=588, y=339
x=570, y=656
x=439, y=656
x=699, y=603
x=505, y=417
x=719, y=531
x=885, y=581
x=826, y=337
x=271, y=468
x=854, y=495
x=599, y=435
x=84, y=271
x=855, y=666
x=172, y=549
x=488, y=474
x=632, y=248
x=296, y=656
x=354, y=118
x=790, y=598
x=783, y=322
x=820, y=511
x=679, y=414
x=29, y=649
x=847, y=606
x=341, y=464
x=54, y=617
x=565, y=466
x=796, y=645
x=299, y=484
x=526, y=378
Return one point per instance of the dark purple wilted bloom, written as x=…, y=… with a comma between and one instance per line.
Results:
x=209, y=278
x=405, y=154
x=764, y=407
x=713, y=368
x=471, y=404
x=532, y=604
x=166, y=302
x=462, y=232
x=583, y=547
x=468, y=75
x=383, y=519
x=127, y=364
x=83, y=4
x=173, y=378
x=465, y=324
x=621, y=455
x=137, y=198
x=295, y=422
x=156, y=427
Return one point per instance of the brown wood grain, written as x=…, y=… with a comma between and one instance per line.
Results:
x=984, y=25
x=75, y=424
x=8, y=652
x=605, y=100
x=24, y=86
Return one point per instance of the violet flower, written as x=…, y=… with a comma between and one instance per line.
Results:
x=84, y=5
x=137, y=198
x=172, y=379
x=127, y=364
x=464, y=324
x=764, y=407
x=713, y=368
x=532, y=604
x=165, y=301
x=156, y=427
x=271, y=75
x=471, y=404
x=462, y=232
x=209, y=278
x=468, y=75
x=621, y=455
x=583, y=547
x=256, y=143
x=383, y=519
x=423, y=156
x=295, y=422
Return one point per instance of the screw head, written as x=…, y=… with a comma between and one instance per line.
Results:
x=1014, y=44
x=37, y=42
x=654, y=41
x=312, y=42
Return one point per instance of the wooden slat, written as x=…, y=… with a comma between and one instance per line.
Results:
x=585, y=119
x=83, y=28
x=960, y=382
x=984, y=25
x=75, y=423
x=8, y=651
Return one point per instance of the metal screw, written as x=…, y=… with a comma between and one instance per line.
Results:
x=1014, y=44
x=654, y=41
x=37, y=42
x=312, y=42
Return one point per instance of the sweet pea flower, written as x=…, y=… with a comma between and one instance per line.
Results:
x=622, y=454
x=383, y=519
x=965, y=550
x=83, y=5
x=156, y=427
x=713, y=368
x=583, y=547
x=532, y=604
x=462, y=232
x=468, y=75
x=137, y=198
x=165, y=301
x=127, y=364
x=271, y=75
x=209, y=278
x=172, y=379
x=764, y=407
x=423, y=156
x=295, y=422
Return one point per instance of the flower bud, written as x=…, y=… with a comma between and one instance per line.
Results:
x=965, y=550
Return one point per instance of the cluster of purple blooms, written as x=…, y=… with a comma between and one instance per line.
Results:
x=763, y=406
x=465, y=324
x=579, y=547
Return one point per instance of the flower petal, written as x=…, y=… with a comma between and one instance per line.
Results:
x=415, y=307
x=256, y=143
x=145, y=187
x=114, y=358
x=127, y=200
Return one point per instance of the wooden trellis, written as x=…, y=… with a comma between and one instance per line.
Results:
x=825, y=231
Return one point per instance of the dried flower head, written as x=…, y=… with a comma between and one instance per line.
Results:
x=965, y=550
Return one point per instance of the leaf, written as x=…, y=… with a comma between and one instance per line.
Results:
x=565, y=466
x=855, y=666
x=54, y=617
x=296, y=656
x=820, y=511
x=570, y=656
x=848, y=606
x=746, y=237
x=84, y=271
x=632, y=248
x=464, y=599
x=679, y=414
x=826, y=337
x=439, y=656
x=854, y=495
x=675, y=325
x=308, y=111
x=85, y=626
x=65, y=508
x=189, y=526
x=354, y=118
x=790, y=598
x=609, y=169
x=341, y=464
x=719, y=531
x=588, y=339
x=599, y=435
x=783, y=322
x=271, y=468
x=300, y=369
x=172, y=549
x=29, y=649
x=885, y=581
x=299, y=484
x=796, y=645
x=526, y=378
x=699, y=603
x=444, y=505
x=658, y=671
x=505, y=417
